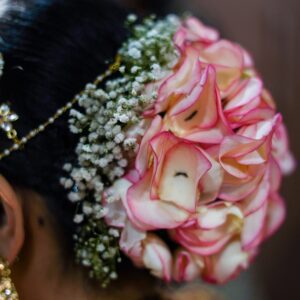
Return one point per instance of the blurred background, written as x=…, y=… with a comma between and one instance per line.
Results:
x=269, y=29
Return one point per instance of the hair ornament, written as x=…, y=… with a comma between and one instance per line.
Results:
x=183, y=144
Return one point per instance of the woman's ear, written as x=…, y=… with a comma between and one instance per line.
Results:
x=11, y=222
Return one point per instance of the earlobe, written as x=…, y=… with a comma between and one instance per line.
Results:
x=12, y=229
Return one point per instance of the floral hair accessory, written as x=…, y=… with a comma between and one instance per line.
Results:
x=184, y=147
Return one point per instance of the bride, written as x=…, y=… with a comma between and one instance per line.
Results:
x=51, y=50
x=78, y=174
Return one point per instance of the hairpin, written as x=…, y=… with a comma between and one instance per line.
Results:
x=7, y=118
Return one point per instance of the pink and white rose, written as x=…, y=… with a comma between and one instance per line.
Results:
x=208, y=168
x=167, y=193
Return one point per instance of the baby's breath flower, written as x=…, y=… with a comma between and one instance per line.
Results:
x=78, y=218
x=135, y=53
x=110, y=123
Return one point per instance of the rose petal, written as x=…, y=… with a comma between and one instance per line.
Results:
x=200, y=108
x=157, y=257
x=211, y=182
x=281, y=152
x=199, y=116
x=248, y=60
x=187, y=267
x=203, y=242
x=234, y=189
x=184, y=166
x=131, y=242
x=180, y=83
x=275, y=175
x=198, y=32
x=160, y=145
x=180, y=38
x=133, y=176
x=256, y=199
x=149, y=214
x=276, y=214
x=242, y=111
x=238, y=118
x=227, y=264
x=238, y=153
x=228, y=61
x=253, y=228
x=216, y=215
x=141, y=162
x=261, y=129
x=250, y=90
x=268, y=99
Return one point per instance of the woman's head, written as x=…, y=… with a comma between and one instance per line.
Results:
x=51, y=50
x=167, y=167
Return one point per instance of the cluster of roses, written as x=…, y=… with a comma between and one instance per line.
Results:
x=209, y=166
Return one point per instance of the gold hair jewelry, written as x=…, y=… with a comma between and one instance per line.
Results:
x=7, y=288
x=7, y=116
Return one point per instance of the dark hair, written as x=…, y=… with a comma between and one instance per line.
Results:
x=51, y=50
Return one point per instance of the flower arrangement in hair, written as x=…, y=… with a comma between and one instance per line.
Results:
x=186, y=146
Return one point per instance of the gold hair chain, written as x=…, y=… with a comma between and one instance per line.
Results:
x=7, y=117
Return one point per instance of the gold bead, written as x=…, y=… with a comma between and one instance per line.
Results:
x=116, y=65
x=7, y=288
